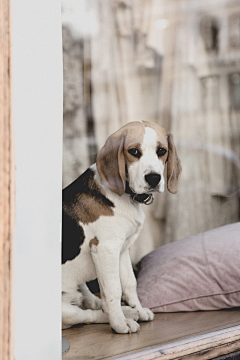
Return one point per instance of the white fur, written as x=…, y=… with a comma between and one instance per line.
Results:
x=148, y=162
x=109, y=261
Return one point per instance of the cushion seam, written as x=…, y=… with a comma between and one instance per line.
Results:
x=194, y=298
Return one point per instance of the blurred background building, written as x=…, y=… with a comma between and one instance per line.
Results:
x=173, y=62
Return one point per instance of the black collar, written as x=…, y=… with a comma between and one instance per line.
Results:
x=146, y=199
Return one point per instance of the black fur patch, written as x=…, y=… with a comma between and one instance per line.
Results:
x=72, y=238
x=78, y=201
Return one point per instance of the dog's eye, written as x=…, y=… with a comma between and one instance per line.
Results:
x=161, y=152
x=134, y=152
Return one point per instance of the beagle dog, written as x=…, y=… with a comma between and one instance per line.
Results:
x=102, y=217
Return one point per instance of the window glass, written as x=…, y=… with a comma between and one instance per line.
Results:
x=235, y=90
x=175, y=63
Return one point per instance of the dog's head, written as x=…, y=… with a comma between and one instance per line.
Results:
x=137, y=153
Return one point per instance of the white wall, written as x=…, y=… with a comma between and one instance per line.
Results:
x=37, y=109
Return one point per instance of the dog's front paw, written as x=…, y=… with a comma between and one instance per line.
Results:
x=130, y=313
x=146, y=314
x=126, y=326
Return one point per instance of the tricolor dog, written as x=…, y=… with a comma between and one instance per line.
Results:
x=102, y=217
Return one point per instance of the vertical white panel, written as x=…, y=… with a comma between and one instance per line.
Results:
x=37, y=108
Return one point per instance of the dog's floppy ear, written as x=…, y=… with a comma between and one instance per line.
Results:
x=174, y=167
x=111, y=163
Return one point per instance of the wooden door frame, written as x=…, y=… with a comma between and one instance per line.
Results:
x=7, y=213
x=7, y=186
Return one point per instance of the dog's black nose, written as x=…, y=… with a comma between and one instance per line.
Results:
x=152, y=179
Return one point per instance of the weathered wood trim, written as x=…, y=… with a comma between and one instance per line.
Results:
x=6, y=187
x=202, y=347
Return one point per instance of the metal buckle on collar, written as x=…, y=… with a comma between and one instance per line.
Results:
x=146, y=199
x=149, y=200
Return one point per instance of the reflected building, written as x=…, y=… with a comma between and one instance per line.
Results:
x=174, y=62
x=203, y=110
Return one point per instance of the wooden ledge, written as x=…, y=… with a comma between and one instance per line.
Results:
x=207, y=346
x=197, y=335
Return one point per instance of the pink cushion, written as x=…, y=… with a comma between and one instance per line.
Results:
x=201, y=272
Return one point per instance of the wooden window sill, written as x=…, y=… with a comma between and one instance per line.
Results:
x=201, y=335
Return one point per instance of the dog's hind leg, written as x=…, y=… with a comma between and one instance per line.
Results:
x=72, y=315
x=90, y=301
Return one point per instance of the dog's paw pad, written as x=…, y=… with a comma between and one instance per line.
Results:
x=133, y=326
x=146, y=315
x=127, y=326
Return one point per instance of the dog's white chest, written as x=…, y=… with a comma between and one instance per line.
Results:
x=129, y=219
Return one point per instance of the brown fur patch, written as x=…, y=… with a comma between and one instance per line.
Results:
x=94, y=241
x=135, y=135
x=174, y=167
x=87, y=202
x=134, y=139
x=88, y=209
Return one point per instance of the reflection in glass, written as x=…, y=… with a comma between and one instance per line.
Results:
x=175, y=63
